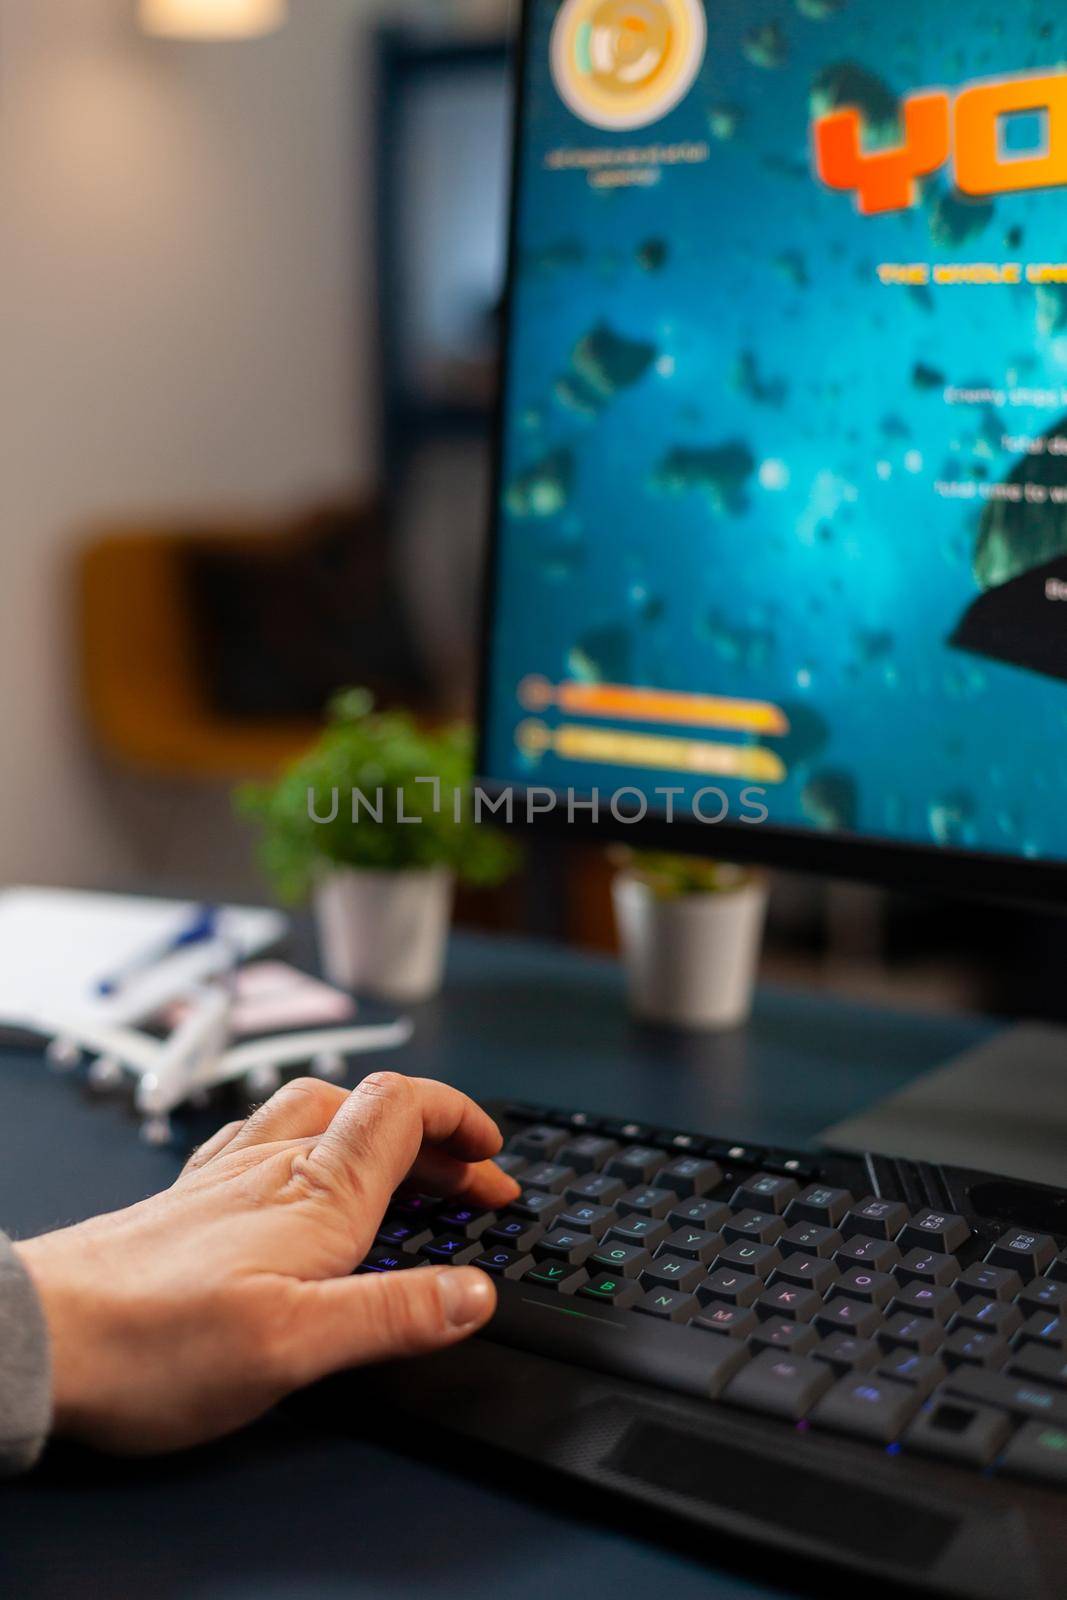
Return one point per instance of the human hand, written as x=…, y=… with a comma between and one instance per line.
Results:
x=193, y=1312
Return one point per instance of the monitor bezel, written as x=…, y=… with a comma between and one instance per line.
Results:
x=869, y=858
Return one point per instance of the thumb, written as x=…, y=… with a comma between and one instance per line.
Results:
x=376, y=1316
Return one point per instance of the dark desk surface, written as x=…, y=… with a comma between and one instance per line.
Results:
x=291, y=1511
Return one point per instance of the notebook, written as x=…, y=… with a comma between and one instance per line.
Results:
x=57, y=945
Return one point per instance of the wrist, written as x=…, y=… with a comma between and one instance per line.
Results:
x=69, y=1317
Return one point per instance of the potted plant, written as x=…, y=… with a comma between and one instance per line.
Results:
x=690, y=931
x=374, y=824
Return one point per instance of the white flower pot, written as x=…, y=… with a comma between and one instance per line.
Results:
x=691, y=959
x=385, y=933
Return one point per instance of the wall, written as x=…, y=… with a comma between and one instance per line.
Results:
x=186, y=326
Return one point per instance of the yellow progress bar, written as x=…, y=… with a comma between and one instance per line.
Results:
x=618, y=747
x=653, y=705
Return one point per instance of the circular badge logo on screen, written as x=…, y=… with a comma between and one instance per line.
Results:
x=625, y=63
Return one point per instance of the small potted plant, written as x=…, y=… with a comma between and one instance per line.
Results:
x=690, y=931
x=374, y=824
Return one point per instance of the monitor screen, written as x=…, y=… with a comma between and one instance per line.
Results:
x=783, y=479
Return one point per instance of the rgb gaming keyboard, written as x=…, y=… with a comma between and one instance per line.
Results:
x=845, y=1357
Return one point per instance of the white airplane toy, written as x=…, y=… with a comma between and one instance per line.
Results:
x=197, y=1057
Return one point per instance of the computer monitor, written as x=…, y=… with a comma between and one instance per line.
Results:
x=781, y=510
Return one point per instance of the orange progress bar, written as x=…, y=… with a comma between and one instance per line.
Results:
x=653, y=705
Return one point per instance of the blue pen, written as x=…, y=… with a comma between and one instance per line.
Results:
x=204, y=926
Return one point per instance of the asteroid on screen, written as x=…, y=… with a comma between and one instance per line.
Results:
x=846, y=83
x=720, y=472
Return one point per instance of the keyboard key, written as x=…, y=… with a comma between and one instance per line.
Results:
x=736, y=1322
x=647, y=1232
x=1037, y=1452
x=646, y=1201
x=1031, y=1254
x=538, y=1143
x=1043, y=1328
x=972, y=1435
x=511, y=1162
x=501, y=1262
x=848, y=1316
x=759, y=1227
x=471, y=1221
x=639, y=1348
x=595, y=1187
x=779, y=1385
x=690, y=1177
x=921, y=1373
x=451, y=1247
x=685, y=1142
x=935, y=1230
x=789, y=1301
x=790, y=1165
x=778, y=1333
x=576, y=1121
x=416, y=1206
x=1042, y=1362
x=868, y=1406
x=847, y=1354
x=611, y=1290
x=860, y=1283
x=672, y=1305
x=808, y=1272
x=629, y=1132
x=403, y=1234
x=587, y=1153
x=972, y=1347
x=558, y=1275
x=549, y=1176
x=759, y=1259
x=1044, y=1294
x=810, y=1239
x=765, y=1192
x=707, y=1214
x=818, y=1203
x=1021, y=1397
x=1058, y=1269
x=861, y=1251
x=537, y=1205
x=737, y=1155
x=675, y=1272
x=990, y=1316
x=992, y=1283
x=515, y=1232
x=732, y=1287
x=875, y=1218
x=637, y=1163
x=626, y=1260
x=585, y=1218
x=694, y=1243
x=908, y=1331
x=386, y=1260
x=927, y=1266
x=928, y=1300
x=565, y=1244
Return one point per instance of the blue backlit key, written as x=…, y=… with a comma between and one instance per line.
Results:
x=454, y=1248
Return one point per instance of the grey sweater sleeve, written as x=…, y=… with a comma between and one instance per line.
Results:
x=25, y=1375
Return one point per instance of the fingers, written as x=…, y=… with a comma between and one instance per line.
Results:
x=374, y=1139
x=479, y=1181
x=301, y=1109
x=349, y=1322
x=211, y=1147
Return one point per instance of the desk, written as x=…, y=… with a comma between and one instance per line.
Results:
x=288, y=1510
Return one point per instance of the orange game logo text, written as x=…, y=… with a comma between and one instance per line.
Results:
x=967, y=128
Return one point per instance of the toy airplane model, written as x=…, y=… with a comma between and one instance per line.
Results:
x=197, y=1057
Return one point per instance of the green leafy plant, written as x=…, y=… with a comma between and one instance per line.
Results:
x=670, y=876
x=378, y=756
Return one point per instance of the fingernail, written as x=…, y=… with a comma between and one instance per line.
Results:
x=466, y=1295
